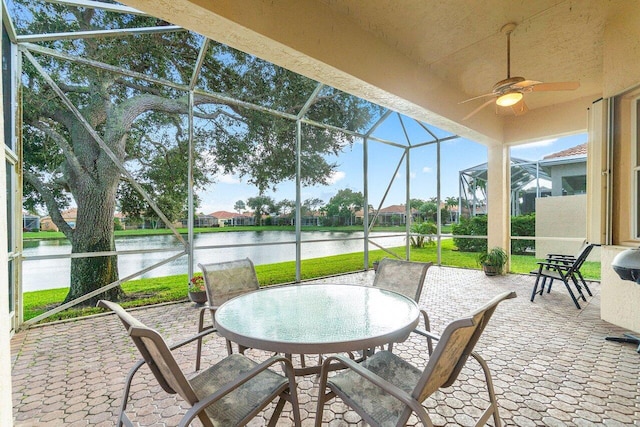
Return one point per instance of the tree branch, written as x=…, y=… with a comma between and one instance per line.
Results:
x=51, y=203
x=76, y=89
x=141, y=88
x=67, y=150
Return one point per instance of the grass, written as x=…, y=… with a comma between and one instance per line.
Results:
x=143, y=292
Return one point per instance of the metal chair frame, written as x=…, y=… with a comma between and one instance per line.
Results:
x=157, y=355
x=565, y=268
x=406, y=278
x=359, y=381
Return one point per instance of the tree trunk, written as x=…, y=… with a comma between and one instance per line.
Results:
x=94, y=233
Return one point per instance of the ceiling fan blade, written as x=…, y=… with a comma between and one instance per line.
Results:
x=525, y=84
x=547, y=87
x=474, y=112
x=519, y=108
x=477, y=97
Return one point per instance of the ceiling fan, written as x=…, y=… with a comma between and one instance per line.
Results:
x=509, y=93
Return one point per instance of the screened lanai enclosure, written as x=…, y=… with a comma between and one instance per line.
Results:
x=529, y=180
x=114, y=112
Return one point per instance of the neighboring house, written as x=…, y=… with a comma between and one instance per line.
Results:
x=564, y=214
x=311, y=219
x=395, y=215
x=70, y=216
x=233, y=219
x=558, y=174
x=203, y=221
x=568, y=170
x=30, y=222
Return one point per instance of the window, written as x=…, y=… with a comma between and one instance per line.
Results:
x=574, y=185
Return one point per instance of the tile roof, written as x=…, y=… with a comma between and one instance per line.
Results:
x=578, y=150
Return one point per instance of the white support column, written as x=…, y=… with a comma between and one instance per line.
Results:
x=498, y=195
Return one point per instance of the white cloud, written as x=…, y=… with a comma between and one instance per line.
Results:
x=228, y=179
x=537, y=144
x=336, y=176
x=412, y=175
x=427, y=169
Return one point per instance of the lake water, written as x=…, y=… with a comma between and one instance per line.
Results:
x=54, y=273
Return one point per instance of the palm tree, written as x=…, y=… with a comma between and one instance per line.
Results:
x=450, y=203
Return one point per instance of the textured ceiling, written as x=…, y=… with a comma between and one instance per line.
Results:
x=461, y=43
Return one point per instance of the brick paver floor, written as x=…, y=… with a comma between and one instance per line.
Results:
x=550, y=363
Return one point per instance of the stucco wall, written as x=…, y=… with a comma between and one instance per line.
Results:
x=620, y=299
x=558, y=217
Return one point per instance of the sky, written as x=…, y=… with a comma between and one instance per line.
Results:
x=456, y=155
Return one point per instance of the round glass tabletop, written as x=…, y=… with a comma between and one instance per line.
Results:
x=317, y=318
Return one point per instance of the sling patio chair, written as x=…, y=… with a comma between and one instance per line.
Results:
x=565, y=268
x=385, y=389
x=229, y=393
x=406, y=278
x=223, y=281
x=568, y=259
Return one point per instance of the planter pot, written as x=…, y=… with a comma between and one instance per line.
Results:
x=491, y=270
x=199, y=297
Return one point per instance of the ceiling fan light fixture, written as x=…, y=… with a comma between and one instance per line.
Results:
x=509, y=99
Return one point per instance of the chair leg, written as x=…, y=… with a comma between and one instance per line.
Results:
x=493, y=407
x=427, y=327
x=584, y=283
x=535, y=287
x=573, y=297
x=322, y=395
x=123, y=420
x=548, y=287
x=578, y=287
x=199, y=342
x=276, y=413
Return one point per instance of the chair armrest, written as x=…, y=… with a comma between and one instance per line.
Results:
x=559, y=256
x=561, y=259
x=203, y=310
x=426, y=334
x=554, y=265
x=193, y=338
x=192, y=413
x=393, y=390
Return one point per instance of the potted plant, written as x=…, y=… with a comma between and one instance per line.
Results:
x=197, y=292
x=493, y=261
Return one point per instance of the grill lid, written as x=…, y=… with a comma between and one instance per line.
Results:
x=627, y=265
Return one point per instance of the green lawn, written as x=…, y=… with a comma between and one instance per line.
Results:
x=174, y=288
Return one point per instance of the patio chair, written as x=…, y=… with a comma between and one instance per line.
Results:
x=565, y=268
x=406, y=278
x=223, y=281
x=229, y=393
x=385, y=389
x=568, y=259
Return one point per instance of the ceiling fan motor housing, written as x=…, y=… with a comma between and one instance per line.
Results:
x=506, y=84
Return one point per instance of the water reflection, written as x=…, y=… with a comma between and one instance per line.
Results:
x=54, y=273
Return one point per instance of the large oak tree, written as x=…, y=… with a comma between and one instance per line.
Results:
x=144, y=124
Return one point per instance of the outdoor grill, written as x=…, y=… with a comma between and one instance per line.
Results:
x=627, y=265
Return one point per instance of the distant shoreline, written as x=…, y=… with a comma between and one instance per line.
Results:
x=46, y=235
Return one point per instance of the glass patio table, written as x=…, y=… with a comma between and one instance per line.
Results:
x=317, y=319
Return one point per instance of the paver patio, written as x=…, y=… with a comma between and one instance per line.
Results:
x=550, y=362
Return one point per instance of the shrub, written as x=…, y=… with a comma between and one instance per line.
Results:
x=476, y=226
x=422, y=228
x=524, y=225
